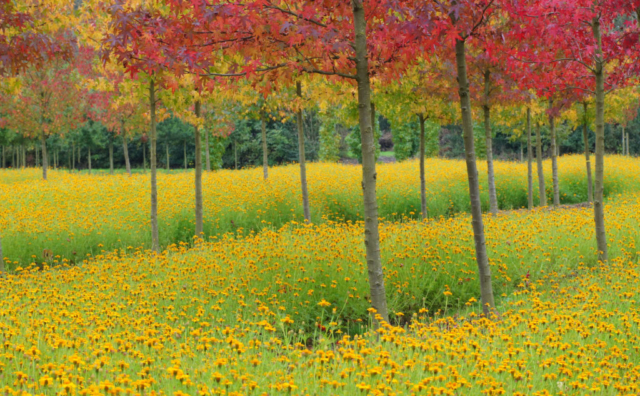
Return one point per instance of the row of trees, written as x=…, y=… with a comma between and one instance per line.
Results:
x=504, y=62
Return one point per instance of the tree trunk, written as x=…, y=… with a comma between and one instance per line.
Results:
x=541, y=186
x=235, y=152
x=56, y=156
x=4, y=158
x=37, y=157
x=24, y=156
x=585, y=136
x=79, y=157
x=598, y=197
x=486, y=109
x=89, y=159
x=423, y=183
x=303, y=165
x=125, y=148
x=155, y=239
x=623, y=142
x=14, y=155
x=206, y=152
x=110, y=157
x=144, y=157
x=166, y=146
x=529, y=162
x=73, y=155
x=45, y=160
x=199, y=220
x=2, y=268
x=184, y=147
x=554, y=161
x=371, y=233
x=265, y=156
x=628, y=153
x=484, y=270
x=521, y=152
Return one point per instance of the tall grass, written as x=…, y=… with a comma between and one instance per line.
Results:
x=73, y=215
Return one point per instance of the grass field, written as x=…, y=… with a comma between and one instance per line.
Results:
x=286, y=313
x=73, y=215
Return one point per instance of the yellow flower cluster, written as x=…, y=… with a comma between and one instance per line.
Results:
x=73, y=215
x=285, y=313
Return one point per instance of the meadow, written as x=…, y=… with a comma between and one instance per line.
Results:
x=75, y=215
x=285, y=312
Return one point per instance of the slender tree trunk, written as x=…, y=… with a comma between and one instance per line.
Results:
x=493, y=199
x=4, y=158
x=598, y=197
x=423, y=183
x=521, y=152
x=37, y=157
x=207, y=153
x=89, y=159
x=372, y=237
x=199, y=220
x=110, y=157
x=184, y=147
x=45, y=160
x=79, y=157
x=541, y=186
x=56, y=157
x=303, y=165
x=486, y=288
x=14, y=155
x=585, y=136
x=73, y=155
x=166, y=146
x=155, y=239
x=529, y=162
x=144, y=157
x=235, y=152
x=2, y=268
x=125, y=148
x=628, y=153
x=24, y=156
x=265, y=155
x=554, y=161
x=623, y=142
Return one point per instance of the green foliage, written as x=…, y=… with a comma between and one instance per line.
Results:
x=406, y=139
x=479, y=138
x=354, y=140
x=329, y=141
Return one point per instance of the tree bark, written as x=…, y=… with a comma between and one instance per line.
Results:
x=265, y=155
x=371, y=232
x=2, y=268
x=198, y=183
x=206, y=152
x=166, y=146
x=45, y=160
x=110, y=157
x=541, y=186
x=125, y=148
x=235, y=153
x=529, y=162
x=89, y=159
x=37, y=156
x=598, y=198
x=303, y=165
x=484, y=270
x=554, y=161
x=423, y=183
x=486, y=109
x=585, y=136
x=24, y=156
x=155, y=239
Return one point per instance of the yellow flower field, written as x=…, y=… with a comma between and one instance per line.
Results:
x=73, y=215
x=285, y=313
